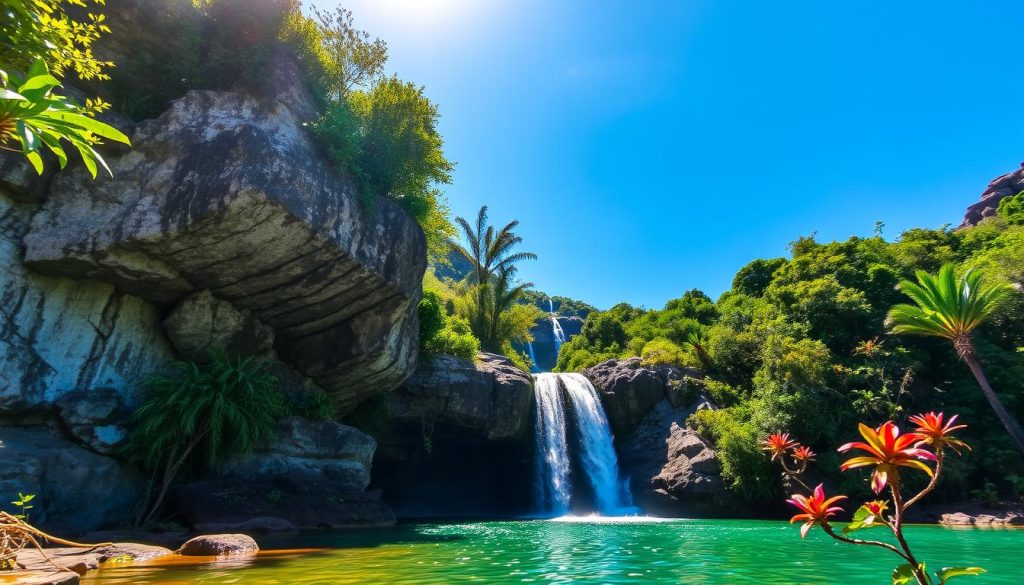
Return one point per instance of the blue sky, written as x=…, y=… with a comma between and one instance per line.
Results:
x=652, y=147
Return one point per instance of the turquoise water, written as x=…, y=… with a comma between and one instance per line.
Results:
x=710, y=552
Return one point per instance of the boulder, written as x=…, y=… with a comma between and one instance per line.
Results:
x=305, y=450
x=20, y=181
x=77, y=490
x=227, y=192
x=490, y=397
x=1001, y=187
x=673, y=471
x=313, y=475
x=201, y=322
x=219, y=545
x=629, y=389
x=59, y=335
x=95, y=418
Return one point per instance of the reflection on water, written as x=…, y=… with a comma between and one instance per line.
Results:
x=585, y=550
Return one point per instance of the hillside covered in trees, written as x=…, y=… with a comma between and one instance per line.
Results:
x=800, y=344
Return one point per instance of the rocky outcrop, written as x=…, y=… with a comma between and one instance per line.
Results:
x=629, y=389
x=76, y=489
x=202, y=322
x=96, y=418
x=59, y=336
x=225, y=192
x=312, y=451
x=313, y=475
x=490, y=397
x=544, y=347
x=1001, y=187
x=455, y=439
x=673, y=471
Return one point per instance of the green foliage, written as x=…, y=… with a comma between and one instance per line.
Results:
x=663, y=352
x=37, y=119
x=225, y=407
x=41, y=43
x=43, y=29
x=807, y=334
x=441, y=333
x=23, y=505
x=315, y=405
x=1012, y=209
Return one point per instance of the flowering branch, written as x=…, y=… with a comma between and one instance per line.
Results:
x=887, y=451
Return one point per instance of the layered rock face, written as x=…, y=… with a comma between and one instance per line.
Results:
x=226, y=193
x=456, y=439
x=1001, y=187
x=222, y=229
x=672, y=470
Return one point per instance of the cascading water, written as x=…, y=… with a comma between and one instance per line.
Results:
x=595, y=455
x=553, y=490
x=556, y=329
x=533, y=359
x=597, y=451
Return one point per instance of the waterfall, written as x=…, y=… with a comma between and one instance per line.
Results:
x=595, y=452
x=533, y=359
x=553, y=489
x=556, y=329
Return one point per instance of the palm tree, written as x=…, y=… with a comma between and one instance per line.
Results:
x=952, y=308
x=489, y=252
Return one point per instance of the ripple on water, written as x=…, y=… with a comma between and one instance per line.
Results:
x=614, y=551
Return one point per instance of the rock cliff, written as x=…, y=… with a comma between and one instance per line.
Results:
x=1001, y=187
x=222, y=228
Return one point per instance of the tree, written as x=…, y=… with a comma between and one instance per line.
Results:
x=491, y=304
x=487, y=251
x=41, y=42
x=349, y=57
x=952, y=308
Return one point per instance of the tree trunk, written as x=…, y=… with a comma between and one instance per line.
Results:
x=993, y=400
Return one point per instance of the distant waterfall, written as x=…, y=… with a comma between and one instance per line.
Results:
x=533, y=359
x=593, y=438
x=553, y=490
x=556, y=329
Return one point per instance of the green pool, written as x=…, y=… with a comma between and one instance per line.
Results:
x=707, y=552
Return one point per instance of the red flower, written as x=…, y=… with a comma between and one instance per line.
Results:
x=876, y=510
x=777, y=444
x=817, y=510
x=887, y=449
x=803, y=453
x=938, y=433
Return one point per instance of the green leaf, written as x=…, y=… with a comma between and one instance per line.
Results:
x=36, y=160
x=904, y=574
x=26, y=136
x=92, y=125
x=38, y=67
x=949, y=572
x=11, y=95
x=39, y=82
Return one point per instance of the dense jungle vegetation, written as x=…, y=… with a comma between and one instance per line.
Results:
x=800, y=344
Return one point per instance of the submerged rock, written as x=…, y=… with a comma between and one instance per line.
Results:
x=219, y=545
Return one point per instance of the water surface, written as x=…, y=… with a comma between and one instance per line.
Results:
x=706, y=552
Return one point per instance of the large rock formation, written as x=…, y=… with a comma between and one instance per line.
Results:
x=455, y=439
x=222, y=228
x=226, y=192
x=75, y=489
x=629, y=389
x=1001, y=187
x=313, y=475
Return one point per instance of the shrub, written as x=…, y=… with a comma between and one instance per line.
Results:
x=196, y=414
x=663, y=352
